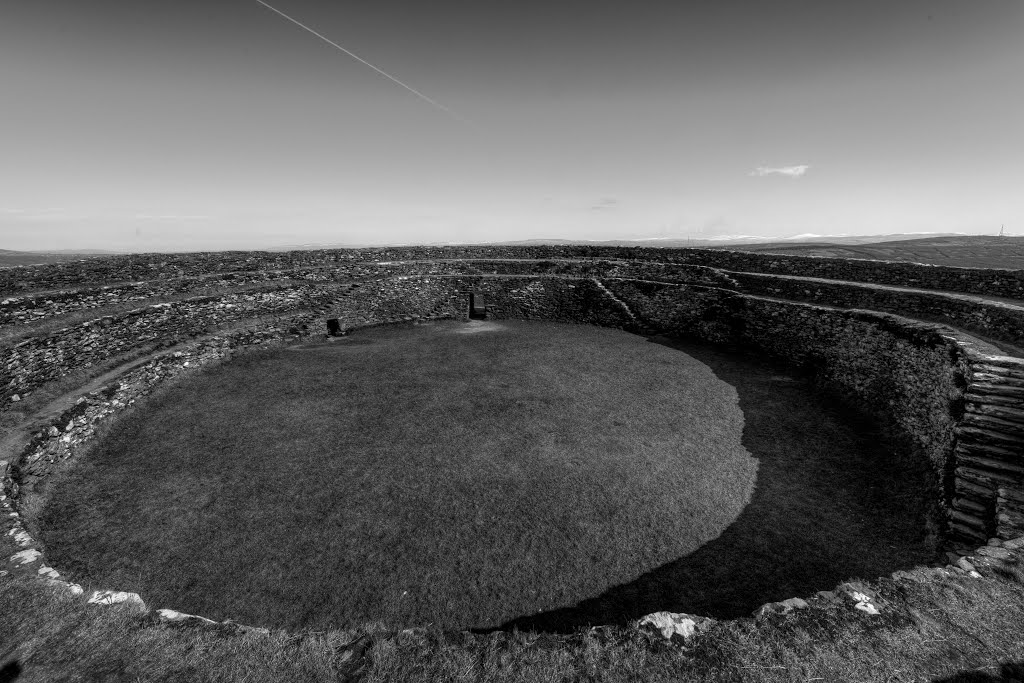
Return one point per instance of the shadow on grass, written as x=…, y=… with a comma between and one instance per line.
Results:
x=870, y=513
x=1011, y=672
x=10, y=672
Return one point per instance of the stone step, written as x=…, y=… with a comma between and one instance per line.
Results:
x=988, y=369
x=966, y=533
x=990, y=451
x=1002, y=412
x=971, y=521
x=975, y=491
x=1000, y=361
x=995, y=378
x=991, y=479
x=993, y=423
x=980, y=435
x=993, y=464
x=971, y=507
x=994, y=400
x=996, y=389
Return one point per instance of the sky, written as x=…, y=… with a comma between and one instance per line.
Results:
x=145, y=125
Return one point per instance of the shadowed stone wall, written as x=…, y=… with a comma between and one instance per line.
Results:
x=956, y=401
x=921, y=377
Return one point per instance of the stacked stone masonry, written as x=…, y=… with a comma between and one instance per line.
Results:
x=990, y=451
x=997, y=320
x=35, y=361
x=136, y=267
x=871, y=331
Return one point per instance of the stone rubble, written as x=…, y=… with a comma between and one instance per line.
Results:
x=675, y=626
x=26, y=556
x=109, y=597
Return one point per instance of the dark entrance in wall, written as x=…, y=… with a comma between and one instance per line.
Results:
x=477, y=308
x=333, y=327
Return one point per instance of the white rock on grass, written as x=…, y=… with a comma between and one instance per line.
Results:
x=48, y=572
x=862, y=598
x=117, y=597
x=782, y=607
x=172, y=617
x=670, y=624
x=21, y=537
x=865, y=606
x=26, y=556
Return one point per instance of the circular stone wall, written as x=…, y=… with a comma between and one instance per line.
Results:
x=481, y=474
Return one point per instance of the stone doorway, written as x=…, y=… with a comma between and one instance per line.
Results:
x=477, y=307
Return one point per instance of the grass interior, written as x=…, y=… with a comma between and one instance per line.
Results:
x=530, y=474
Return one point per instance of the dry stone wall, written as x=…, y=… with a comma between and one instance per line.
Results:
x=35, y=361
x=958, y=401
x=989, y=282
x=33, y=308
x=528, y=297
x=136, y=267
x=145, y=267
x=997, y=320
x=955, y=399
x=989, y=494
x=667, y=272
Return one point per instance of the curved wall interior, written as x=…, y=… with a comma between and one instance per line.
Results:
x=951, y=397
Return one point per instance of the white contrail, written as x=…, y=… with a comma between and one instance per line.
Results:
x=327, y=40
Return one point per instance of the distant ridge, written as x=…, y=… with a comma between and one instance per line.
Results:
x=9, y=257
x=974, y=251
x=733, y=242
x=956, y=249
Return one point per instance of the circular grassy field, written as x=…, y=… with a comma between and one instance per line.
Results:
x=475, y=475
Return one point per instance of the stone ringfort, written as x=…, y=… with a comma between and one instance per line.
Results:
x=936, y=353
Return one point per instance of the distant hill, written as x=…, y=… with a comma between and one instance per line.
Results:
x=31, y=258
x=724, y=242
x=667, y=242
x=975, y=251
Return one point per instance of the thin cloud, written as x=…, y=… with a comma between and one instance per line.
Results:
x=169, y=217
x=33, y=212
x=605, y=204
x=789, y=171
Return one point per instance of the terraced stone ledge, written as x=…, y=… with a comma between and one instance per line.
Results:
x=984, y=415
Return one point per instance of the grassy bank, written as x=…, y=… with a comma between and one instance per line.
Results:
x=950, y=628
